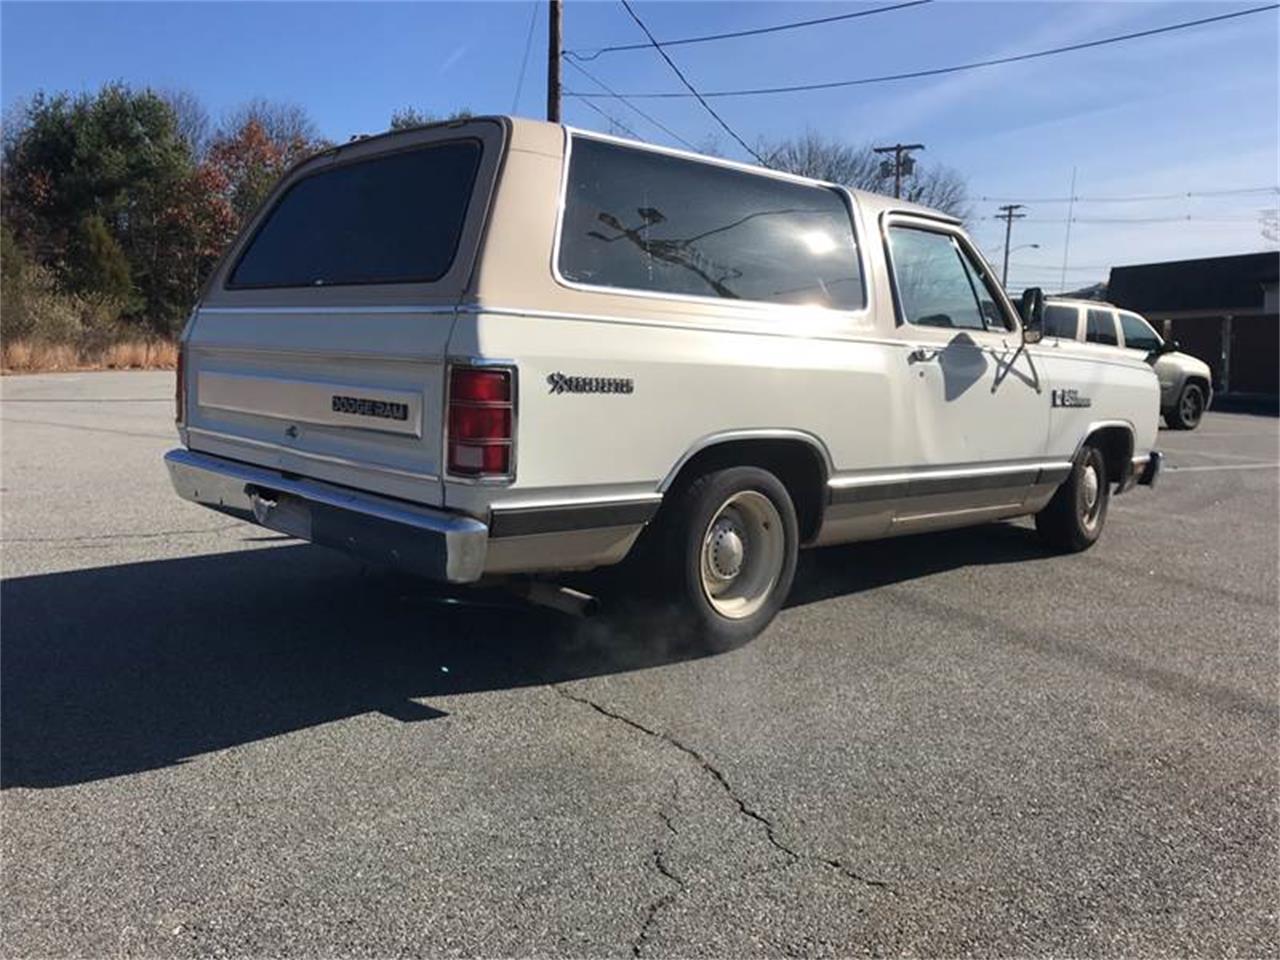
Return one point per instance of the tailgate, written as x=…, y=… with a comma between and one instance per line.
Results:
x=351, y=397
x=319, y=347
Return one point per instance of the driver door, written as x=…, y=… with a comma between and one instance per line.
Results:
x=980, y=410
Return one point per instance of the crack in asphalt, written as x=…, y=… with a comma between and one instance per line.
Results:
x=655, y=908
x=770, y=829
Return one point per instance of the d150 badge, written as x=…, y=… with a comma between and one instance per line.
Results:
x=562, y=383
x=1069, y=398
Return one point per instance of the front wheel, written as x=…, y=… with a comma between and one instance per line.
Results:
x=1187, y=412
x=1073, y=519
x=729, y=554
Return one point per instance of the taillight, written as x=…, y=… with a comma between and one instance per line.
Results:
x=180, y=386
x=480, y=422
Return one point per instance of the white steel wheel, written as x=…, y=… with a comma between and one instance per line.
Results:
x=743, y=553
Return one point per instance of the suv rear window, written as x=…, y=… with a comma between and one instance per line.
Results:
x=642, y=220
x=1061, y=321
x=1100, y=327
x=395, y=218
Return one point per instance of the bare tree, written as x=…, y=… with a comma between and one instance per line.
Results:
x=287, y=125
x=813, y=155
x=194, y=125
x=408, y=117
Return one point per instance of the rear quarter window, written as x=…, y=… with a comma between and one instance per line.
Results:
x=642, y=220
x=395, y=218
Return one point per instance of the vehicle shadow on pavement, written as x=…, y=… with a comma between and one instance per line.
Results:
x=115, y=670
x=836, y=571
x=119, y=669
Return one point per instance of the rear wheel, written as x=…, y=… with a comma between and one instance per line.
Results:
x=1074, y=518
x=1187, y=412
x=728, y=555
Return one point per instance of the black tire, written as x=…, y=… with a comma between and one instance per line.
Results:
x=1071, y=521
x=686, y=530
x=1189, y=408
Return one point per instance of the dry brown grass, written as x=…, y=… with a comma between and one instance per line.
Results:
x=33, y=356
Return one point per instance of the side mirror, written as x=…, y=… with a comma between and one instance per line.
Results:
x=1032, y=310
x=1166, y=346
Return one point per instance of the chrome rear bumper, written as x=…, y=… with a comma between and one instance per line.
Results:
x=421, y=540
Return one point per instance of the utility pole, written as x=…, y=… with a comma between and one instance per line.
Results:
x=1008, y=213
x=553, y=62
x=901, y=165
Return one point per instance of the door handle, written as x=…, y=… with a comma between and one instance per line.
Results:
x=920, y=355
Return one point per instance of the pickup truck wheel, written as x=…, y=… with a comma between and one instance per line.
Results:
x=1186, y=413
x=731, y=546
x=1073, y=519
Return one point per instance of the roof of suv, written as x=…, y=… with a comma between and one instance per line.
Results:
x=1076, y=302
x=539, y=136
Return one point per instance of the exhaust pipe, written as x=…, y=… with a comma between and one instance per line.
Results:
x=564, y=599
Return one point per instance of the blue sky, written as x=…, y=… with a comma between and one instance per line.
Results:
x=1189, y=111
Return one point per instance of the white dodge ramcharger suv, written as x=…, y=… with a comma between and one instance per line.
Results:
x=499, y=347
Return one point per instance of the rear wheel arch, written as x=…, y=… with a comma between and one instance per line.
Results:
x=798, y=460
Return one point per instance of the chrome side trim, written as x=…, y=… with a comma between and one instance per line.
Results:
x=244, y=350
x=696, y=322
x=426, y=541
x=727, y=436
x=307, y=455
x=369, y=309
x=928, y=473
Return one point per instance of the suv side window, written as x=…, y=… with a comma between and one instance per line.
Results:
x=648, y=221
x=1138, y=334
x=1102, y=328
x=938, y=285
x=1061, y=321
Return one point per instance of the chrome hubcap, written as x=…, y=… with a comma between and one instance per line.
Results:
x=742, y=554
x=1090, y=483
x=727, y=549
x=1090, y=495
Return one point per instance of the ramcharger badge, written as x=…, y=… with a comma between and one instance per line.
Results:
x=1069, y=398
x=560, y=383
x=364, y=407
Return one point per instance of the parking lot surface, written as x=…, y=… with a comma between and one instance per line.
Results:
x=216, y=741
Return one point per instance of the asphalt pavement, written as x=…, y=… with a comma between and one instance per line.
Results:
x=215, y=741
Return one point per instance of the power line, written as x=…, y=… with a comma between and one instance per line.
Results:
x=793, y=25
x=604, y=86
x=622, y=126
x=1049, y=266
x=524, y=63
x=692, y=90
x=956, y=68
x=1138, y=197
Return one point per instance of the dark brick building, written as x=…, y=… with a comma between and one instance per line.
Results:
x=1224, y=310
